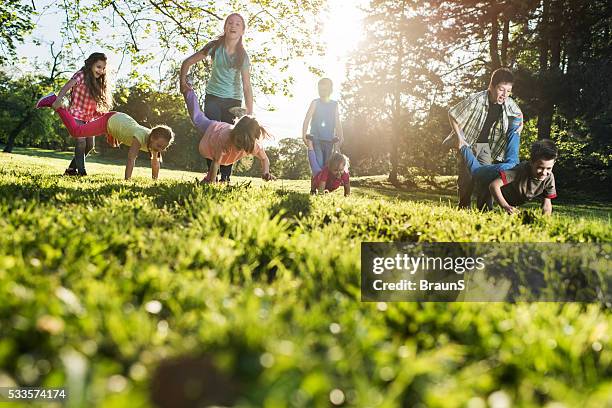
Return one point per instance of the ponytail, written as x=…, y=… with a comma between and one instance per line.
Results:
x=246, y=133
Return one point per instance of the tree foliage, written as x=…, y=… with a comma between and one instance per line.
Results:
x=419, y=58
x=15, y=23
x=157, y=33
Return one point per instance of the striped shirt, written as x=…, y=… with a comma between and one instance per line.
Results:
x=471, y=114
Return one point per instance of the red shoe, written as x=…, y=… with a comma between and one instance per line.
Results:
x=46, y=101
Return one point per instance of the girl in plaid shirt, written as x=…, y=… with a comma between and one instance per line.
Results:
x=89, y=99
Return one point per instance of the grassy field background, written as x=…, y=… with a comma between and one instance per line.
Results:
x=129, y=292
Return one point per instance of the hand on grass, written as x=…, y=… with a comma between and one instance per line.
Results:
x=57, y=104
x=510, y=209
x=268, y=177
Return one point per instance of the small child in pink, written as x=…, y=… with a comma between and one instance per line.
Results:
x=333, y=175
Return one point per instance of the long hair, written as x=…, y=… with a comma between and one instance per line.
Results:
x=246, y=132
x=212, y=46
x=98, y=88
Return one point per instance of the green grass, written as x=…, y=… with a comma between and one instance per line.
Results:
x=251, y=293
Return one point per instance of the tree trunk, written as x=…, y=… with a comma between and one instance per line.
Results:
x=396, y=112
x=15, y=132
x=553, y=71
x=494, y=40
x=505, y=42
x=545, y=110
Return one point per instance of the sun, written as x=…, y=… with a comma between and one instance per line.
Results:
x=342, y=27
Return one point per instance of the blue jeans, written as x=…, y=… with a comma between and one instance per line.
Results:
x=217, y=108
x=323, y=150
x=83, y=146
x=485, y=174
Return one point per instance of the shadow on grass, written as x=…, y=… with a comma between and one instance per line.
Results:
x=93, y=158
x=54, y=154
x=292, y=204
x=424, y=190
x=569, y=203
x=61, y=191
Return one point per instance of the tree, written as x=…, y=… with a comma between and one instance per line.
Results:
x=162, y=33
x=449, y=49
x=392, y=81
x=21, y=96
x=293, y=160
x=15, y=23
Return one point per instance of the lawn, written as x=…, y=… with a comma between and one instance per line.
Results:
x=129, y=292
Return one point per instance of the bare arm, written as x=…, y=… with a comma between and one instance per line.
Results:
x=132, y=155
x=456, y=128
x=547, y=206
x=265, y=165
x=495, y=189
x=339, y=131
x=211, y=176
x=248, y=90
x=67, y=86
x=155, y=165
x=187, y=63
x=321, y=187
x=307, y=120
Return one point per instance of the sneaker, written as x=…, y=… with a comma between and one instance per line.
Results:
x=70, y=172
x=46, y=101
x=237, y=111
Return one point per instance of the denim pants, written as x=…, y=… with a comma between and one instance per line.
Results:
x=481, y=152
x=483, y=175
x=217, y=108
x=479, y=171
x=83, y=146
x=323, y=150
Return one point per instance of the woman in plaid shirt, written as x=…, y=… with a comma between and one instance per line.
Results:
x=89, y=99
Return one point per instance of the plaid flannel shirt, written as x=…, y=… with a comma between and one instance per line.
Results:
x=471, y=114
x=82, y=105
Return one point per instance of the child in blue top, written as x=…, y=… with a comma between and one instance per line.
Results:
x=323, y=117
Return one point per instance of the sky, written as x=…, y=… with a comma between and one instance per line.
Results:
x=341, y=34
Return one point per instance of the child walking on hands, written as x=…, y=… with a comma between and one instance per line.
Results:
x=119, y=128
x=512, y=183
x=89, y=99
x=225, y=144
x=331, y=176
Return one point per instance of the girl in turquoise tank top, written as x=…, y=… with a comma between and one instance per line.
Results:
x=229, y=80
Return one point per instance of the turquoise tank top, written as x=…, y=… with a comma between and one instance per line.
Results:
x=225, y=80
